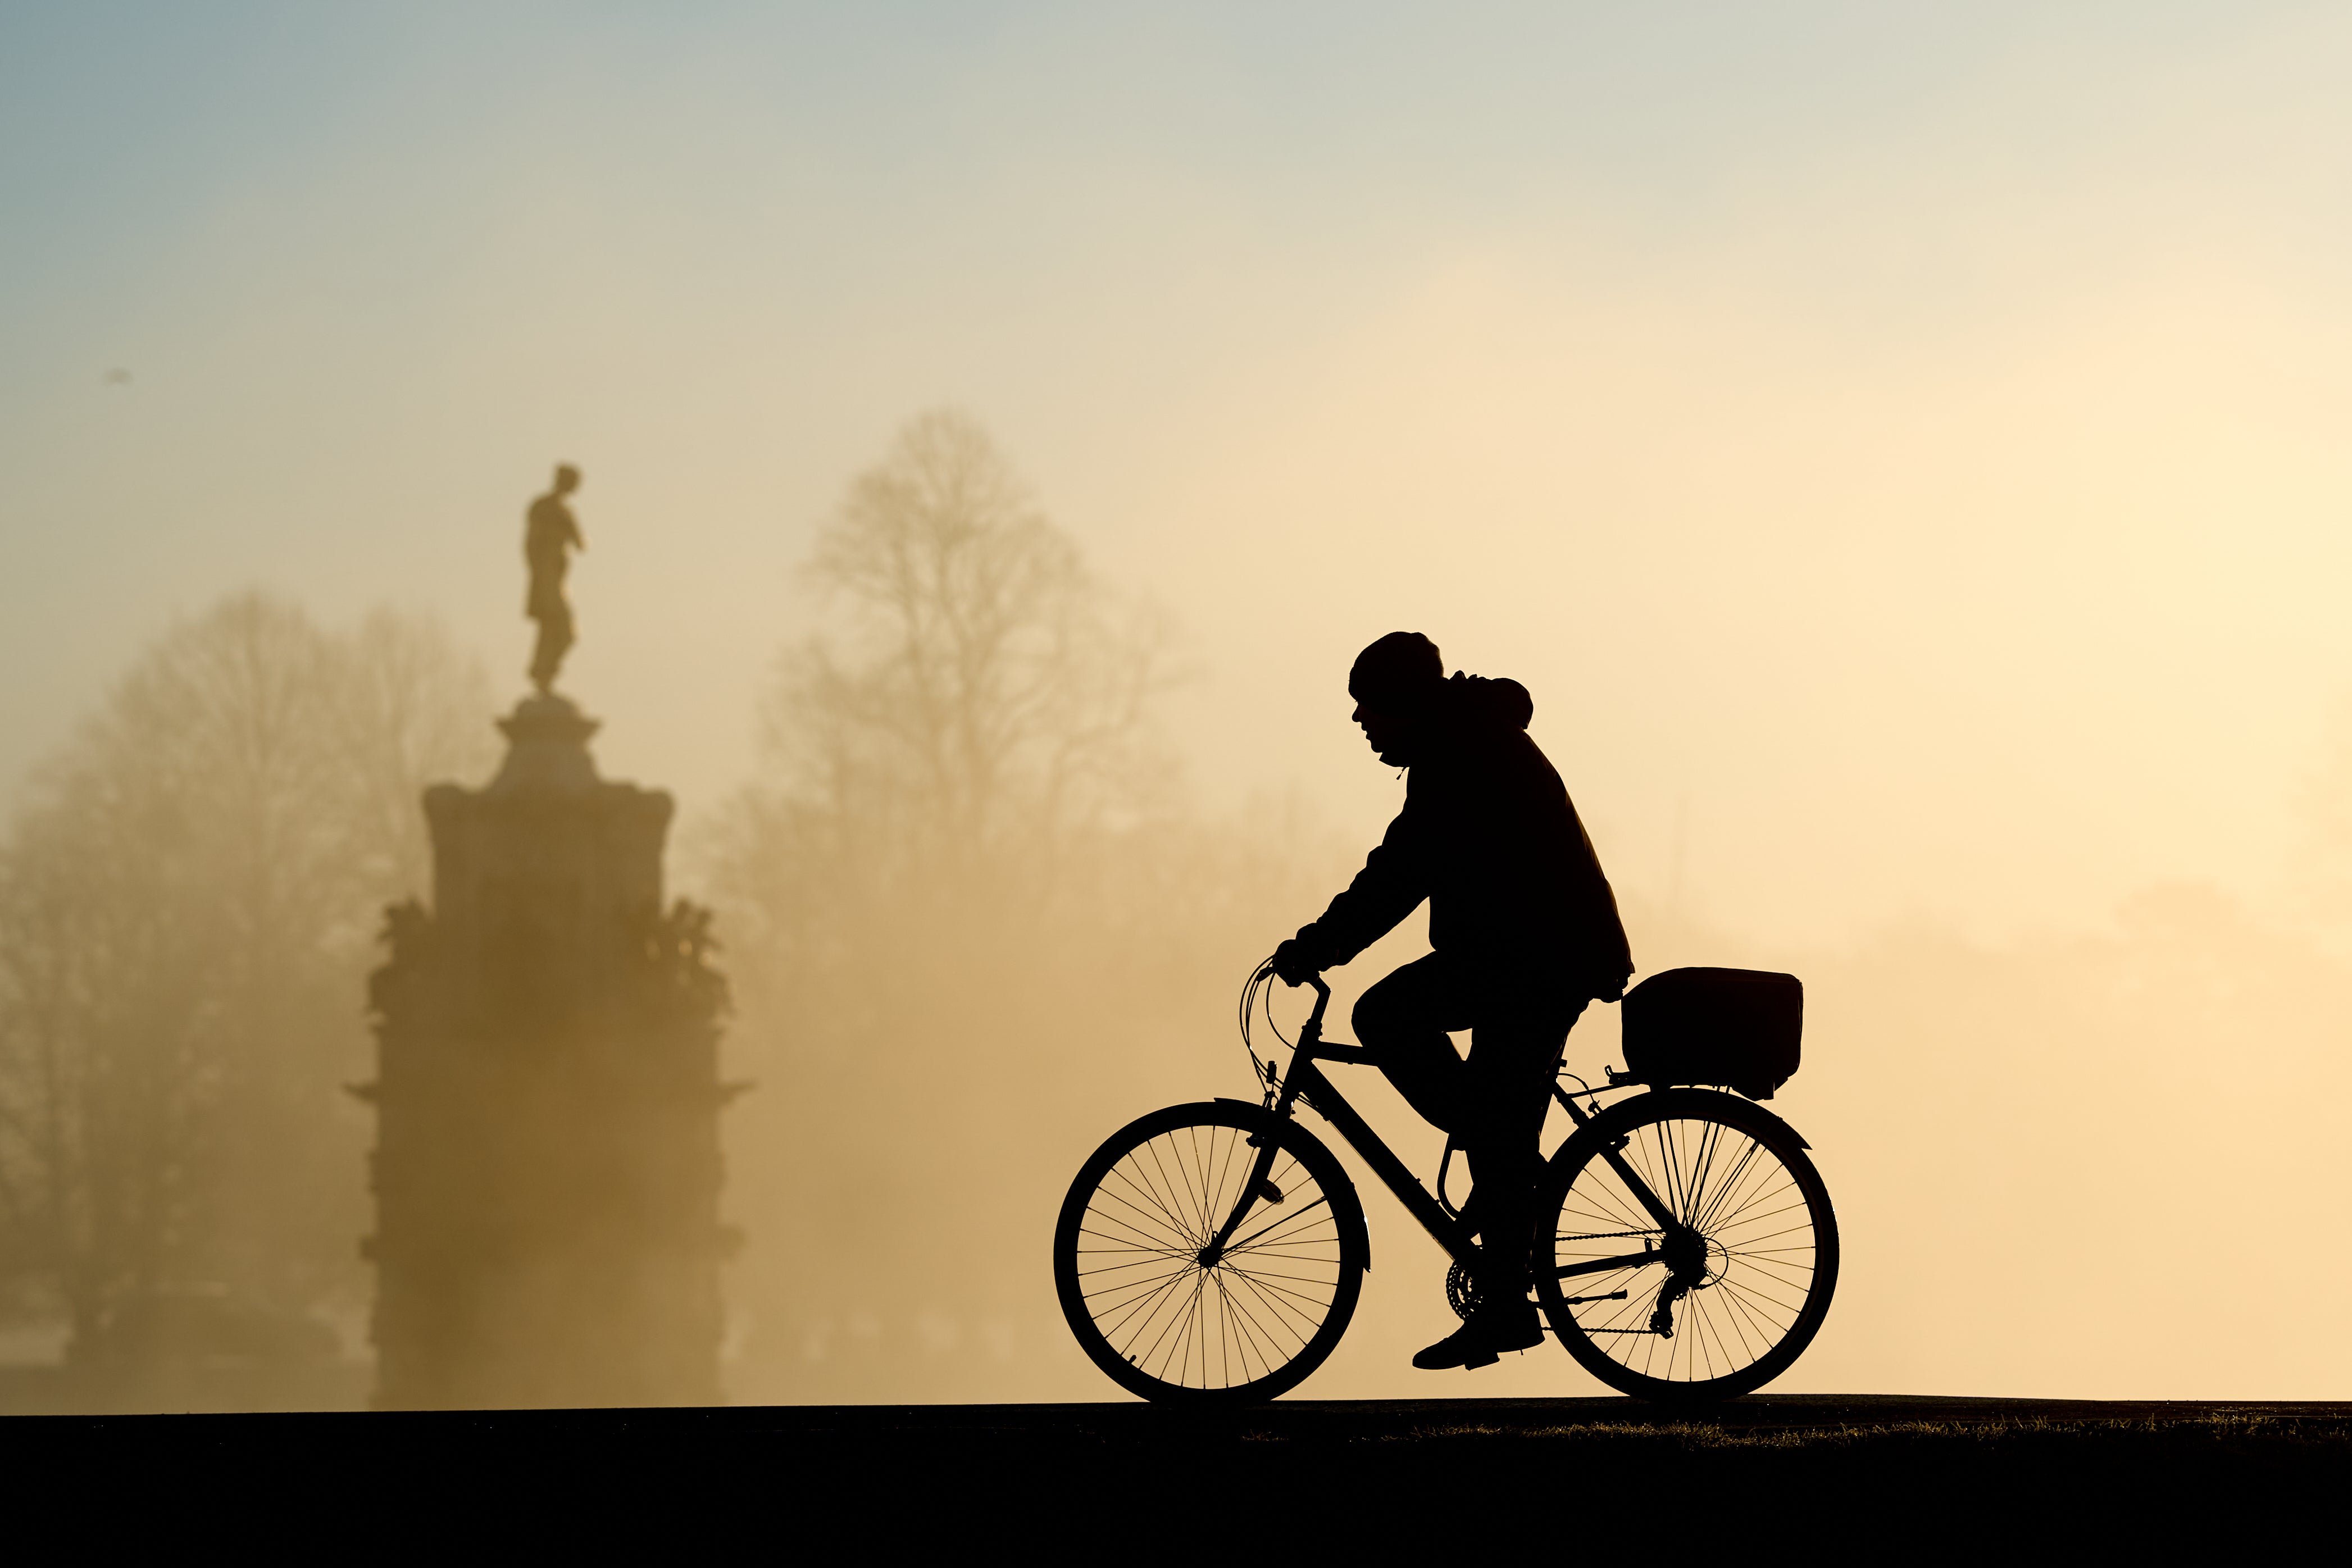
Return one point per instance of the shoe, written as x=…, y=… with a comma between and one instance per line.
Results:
x=1482, y=1341
x=1465, y=1347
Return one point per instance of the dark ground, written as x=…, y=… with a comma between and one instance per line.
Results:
x=1768, y=1475
x=1755, y=1477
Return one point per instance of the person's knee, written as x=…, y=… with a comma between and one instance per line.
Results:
x=1384, y=1016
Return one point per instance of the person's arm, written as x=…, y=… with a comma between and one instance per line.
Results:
x=1395, y=879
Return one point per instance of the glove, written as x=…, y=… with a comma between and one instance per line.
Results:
x=1294, y=965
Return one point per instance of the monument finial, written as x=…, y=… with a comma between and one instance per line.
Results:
x=550, y=534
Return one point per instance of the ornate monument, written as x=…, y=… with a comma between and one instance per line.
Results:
x=547, y=1167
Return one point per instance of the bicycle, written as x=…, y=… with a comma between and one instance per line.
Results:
x=1214, y=1253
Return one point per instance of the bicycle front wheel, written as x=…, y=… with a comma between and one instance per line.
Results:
x=1717, y=1288
x=1151, y=1304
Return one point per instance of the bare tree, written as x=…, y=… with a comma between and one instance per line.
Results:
x=965, y=853
x=411, y=711
x=186, y=909
x=983, y=709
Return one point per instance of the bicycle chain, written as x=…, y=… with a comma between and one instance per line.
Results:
x=1608, y=1236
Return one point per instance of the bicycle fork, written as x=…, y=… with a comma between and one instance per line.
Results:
x=1260, y=1186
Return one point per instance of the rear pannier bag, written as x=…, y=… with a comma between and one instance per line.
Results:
x=1734, y=1027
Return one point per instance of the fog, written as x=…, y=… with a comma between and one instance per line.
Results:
x=1897, y=450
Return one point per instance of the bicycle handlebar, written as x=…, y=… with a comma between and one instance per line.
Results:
x=1322, y=991
x=1313, y=1033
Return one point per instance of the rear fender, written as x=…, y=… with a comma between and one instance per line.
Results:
x=1699, y=1099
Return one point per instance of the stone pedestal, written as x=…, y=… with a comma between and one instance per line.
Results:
x=547, y=1167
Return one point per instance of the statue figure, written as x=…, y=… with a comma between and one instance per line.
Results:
x=549, y=534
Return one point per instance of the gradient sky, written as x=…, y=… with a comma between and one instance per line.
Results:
x=1901, y=443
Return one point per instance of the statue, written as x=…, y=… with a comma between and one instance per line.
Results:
x=549, y=534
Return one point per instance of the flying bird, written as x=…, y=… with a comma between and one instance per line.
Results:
x=117, y=377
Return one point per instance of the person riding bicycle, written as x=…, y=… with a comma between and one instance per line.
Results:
x=1524, y=931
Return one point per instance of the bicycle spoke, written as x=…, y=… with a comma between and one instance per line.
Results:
x=1295, y=1302
x=1171, y=1239
x=1274, y=1307
x=1239, y=1320
x=1729, y=1187
x=1145, y=1310
x=1141, y=1182
x=1301, y=1216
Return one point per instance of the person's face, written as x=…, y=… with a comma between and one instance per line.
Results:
x=1384, y=728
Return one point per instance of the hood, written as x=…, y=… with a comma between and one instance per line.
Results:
x=1476, y=702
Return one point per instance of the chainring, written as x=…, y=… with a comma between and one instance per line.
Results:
x=1461, y=1290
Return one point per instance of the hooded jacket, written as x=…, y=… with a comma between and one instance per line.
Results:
x=1489, y=837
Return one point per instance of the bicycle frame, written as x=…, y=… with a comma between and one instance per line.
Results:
x=1304, y=1081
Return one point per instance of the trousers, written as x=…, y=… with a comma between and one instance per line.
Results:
x=1494, y=1101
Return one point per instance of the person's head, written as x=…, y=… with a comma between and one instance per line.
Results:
x=1395, y=683
x=567, y=479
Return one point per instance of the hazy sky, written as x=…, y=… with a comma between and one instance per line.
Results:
x=1900, y=441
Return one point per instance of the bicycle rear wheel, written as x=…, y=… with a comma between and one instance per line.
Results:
x=1717, y=1297
x=1165, y=1321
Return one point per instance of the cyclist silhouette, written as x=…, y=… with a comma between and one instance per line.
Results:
x=1524, y=931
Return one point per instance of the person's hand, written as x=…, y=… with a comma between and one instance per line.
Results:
x=1293, y=965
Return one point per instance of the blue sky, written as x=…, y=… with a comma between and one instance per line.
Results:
x=1999, y=346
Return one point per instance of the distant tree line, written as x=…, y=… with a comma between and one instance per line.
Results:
x=188, y=902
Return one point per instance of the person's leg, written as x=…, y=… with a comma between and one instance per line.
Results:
x=1402, y=1020
x=1503, y=1090
x=1494, y=1104
x=1506, y=1089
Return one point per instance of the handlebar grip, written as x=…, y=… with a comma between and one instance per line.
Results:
x=1315, y=980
